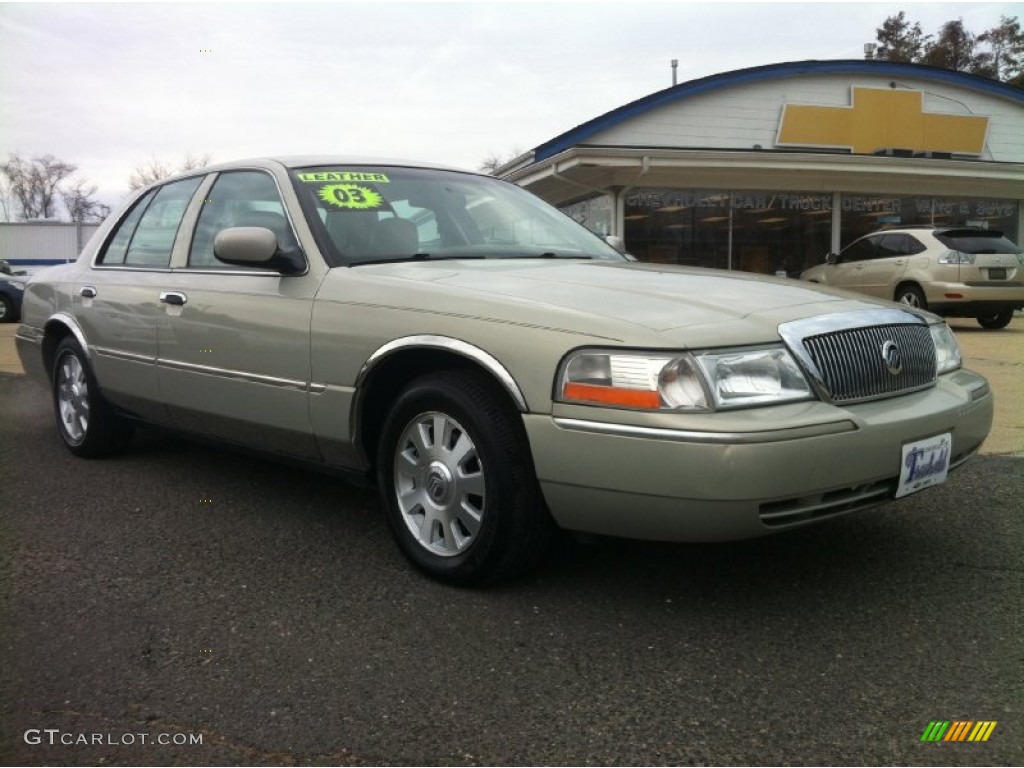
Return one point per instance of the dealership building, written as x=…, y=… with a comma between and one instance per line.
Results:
x=768, y=169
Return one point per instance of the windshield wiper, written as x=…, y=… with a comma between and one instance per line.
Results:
x=548, y=255
x=416, y=257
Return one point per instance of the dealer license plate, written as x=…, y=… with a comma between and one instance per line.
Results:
x=997, y=273
x=925, y=463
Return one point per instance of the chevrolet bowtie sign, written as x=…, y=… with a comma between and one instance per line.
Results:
x=880, y=119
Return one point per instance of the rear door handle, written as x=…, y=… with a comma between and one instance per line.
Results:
x=87, y=292
x=173, y=297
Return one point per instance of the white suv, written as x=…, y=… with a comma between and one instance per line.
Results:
x=956, y=272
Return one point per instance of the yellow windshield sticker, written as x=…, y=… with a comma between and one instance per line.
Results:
x=373, y=178
x=350, y=196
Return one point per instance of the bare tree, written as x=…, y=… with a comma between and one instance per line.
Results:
x=6, y=200
x=156, y=169
x=493, y=162
x=35, y=183
x=82, y=206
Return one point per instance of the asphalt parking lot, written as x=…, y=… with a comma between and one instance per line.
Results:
x=185, y=592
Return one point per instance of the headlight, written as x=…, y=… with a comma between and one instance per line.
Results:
x=685, y=382
x=754, y=377
x=947, y=351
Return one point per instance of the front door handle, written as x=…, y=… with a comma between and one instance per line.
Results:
x=176, y=298
x=87, y=292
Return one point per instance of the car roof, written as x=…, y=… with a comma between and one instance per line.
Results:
x=948, y=230
x=304, y=161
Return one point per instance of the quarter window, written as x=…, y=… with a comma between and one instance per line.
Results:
x=118, y=246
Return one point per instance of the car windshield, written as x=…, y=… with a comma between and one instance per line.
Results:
x=388, y=213
x=967, y=241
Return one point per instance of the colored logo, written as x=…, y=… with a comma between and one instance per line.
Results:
x=351, y=196
x=959, y=730
x=878, y=119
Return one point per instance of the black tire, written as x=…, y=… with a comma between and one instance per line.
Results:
x=442, y=526
x=85, y=421
x=996, y=320
x=7, y=313
x=912, y=296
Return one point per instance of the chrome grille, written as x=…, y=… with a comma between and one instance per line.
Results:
x=851, y=364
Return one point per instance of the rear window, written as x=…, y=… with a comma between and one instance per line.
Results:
x=977, y=242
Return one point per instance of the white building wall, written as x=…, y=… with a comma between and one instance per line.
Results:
x=742, y=116
x=37, y=243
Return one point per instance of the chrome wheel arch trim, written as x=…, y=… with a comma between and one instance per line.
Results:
x=465, y=349
x=72, y=325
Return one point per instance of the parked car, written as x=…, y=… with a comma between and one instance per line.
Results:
x=495, y=367
x=955, y=272
x=11, y=290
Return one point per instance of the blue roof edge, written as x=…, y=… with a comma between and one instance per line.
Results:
x=721, y=80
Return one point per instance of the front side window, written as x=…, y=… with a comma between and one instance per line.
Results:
x=373, y=214
x=239, y=199
x=862, y=250
x=153, y=240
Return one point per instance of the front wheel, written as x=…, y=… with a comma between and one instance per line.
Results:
x=457, y=481
x=86, y=423
x=996, y=320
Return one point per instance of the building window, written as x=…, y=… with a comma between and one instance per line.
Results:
x=863, y=214
x=749, y=230
x=775, y=233
x=594, y=213
x=678, y=226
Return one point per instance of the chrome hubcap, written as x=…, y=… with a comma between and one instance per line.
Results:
x=73, y=397
x=439, y=483
x=910, y=299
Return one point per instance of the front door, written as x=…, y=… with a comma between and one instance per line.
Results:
x=234, y=342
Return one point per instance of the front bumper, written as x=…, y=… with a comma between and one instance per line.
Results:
x=684, y=485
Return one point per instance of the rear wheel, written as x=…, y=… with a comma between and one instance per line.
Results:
x=996, y=320
x=86, y=422
x=457, y=481
x=912, y=296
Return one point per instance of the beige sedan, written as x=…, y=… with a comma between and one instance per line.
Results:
x=498, y=370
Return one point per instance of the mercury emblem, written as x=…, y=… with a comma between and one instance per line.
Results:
x=892, y=357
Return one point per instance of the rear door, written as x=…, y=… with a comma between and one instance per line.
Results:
x=117, y=303
x=880, y=275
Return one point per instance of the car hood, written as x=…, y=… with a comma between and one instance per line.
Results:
x=601, y=298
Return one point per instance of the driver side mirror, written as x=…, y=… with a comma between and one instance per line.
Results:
x=255, y=247
x=831, y=258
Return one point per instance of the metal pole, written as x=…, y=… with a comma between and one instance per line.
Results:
x=675, y=66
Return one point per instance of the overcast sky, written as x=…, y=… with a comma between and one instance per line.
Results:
x=106, y=86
